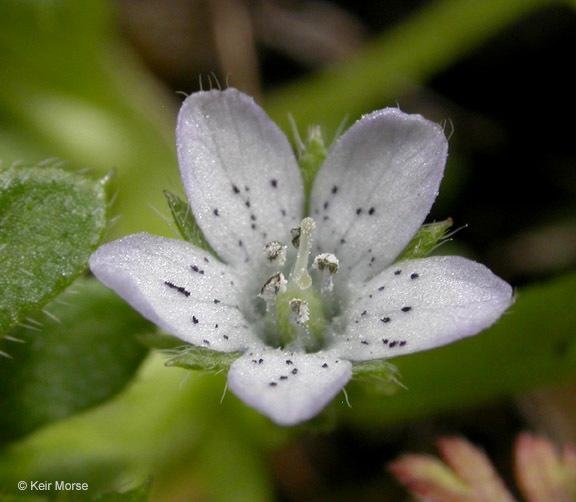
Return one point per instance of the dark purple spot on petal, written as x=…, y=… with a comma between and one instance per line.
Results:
x=359, y=211
x=406, y=309
x=364, y=342
x=235, y=189
x=272, y=384
x=414, y=276
x=385, y=319
x=325, y=365
x=392, y=344
x=371, y=211
x=274, y=183
x=381, y=288
x=195, y=319
x=294, y=371
x=397, y=272
x=180, y=289
x=216, y=212
x=334, y=189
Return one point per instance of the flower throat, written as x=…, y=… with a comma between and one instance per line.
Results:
x=295, y=310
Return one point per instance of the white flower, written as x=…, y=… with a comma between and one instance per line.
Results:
x=300, y=327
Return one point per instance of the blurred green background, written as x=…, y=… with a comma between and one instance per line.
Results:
x=98, y=84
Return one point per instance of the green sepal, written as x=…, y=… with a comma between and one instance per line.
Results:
x=200, y=359
x=186, y=223
x=311, y=153
x=51, y=221
x=428, y=238
x=378, y=376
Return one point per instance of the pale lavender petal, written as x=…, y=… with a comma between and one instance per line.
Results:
x=289, y=388
x=375, y=189
x=240, y=175
x=421, y=304
x=182, y=289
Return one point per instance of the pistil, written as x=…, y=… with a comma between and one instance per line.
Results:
x=300, y=274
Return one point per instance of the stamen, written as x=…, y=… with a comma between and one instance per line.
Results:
x=275, y=253
x=301, y=310
x=326, y=262
x=273, y=287
x=300, y=273
x=295, y=234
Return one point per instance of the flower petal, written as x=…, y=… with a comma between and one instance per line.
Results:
x=240, y=174
x=182, y=289
x=421, y=304
x=289, y=388
x=375, y=189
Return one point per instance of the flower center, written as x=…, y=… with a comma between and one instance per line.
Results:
x=295, y=309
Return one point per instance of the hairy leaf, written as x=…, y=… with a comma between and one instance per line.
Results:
x=50, y=222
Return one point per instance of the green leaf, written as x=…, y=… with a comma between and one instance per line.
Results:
x=186, y=223
x=50, y=222
x=72, y=364
x=200, y=359
x=532, y=345
x=428, y=238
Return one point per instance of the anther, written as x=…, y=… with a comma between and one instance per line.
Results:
x=295, y=234
x=273, y=287
x=301, y=311
x=328, y=262
x=275, y=253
